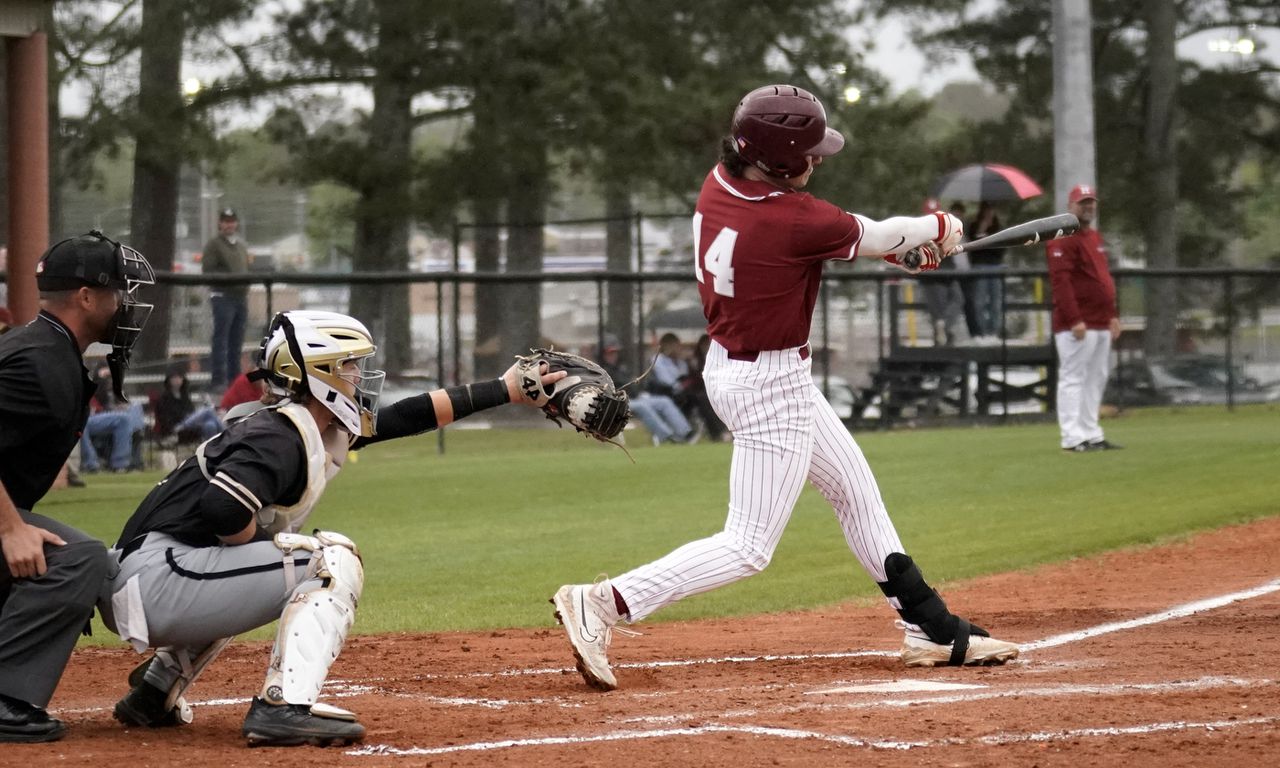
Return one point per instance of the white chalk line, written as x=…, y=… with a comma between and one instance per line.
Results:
x=1177, y=612
x=1048, y=691
x=382, y=750
x=1181, y=611
x=337, y=690
x=668, y=663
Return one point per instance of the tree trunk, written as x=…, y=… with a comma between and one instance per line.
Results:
x=527, y=206
x=383, y=215
x=486, y=208
x=1159, y=152
x=618, y=248
x=157, y=162
x=56, y=227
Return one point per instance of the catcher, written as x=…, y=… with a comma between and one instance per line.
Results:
x=215, y=549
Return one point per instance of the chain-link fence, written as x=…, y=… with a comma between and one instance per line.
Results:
x=887, y=347
x=879, y=351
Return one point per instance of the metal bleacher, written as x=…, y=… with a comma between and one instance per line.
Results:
x=920, y=378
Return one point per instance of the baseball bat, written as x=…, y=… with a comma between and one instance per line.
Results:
x=1026, y=233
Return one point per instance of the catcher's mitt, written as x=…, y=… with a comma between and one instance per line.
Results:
x=586, y=397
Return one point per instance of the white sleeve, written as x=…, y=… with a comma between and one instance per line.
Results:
x=896, y=235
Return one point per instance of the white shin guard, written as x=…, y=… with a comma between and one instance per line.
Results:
x=315, y=623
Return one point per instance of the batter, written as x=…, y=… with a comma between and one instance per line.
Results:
x=760, y=243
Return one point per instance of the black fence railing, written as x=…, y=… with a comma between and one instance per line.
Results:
x=877, y=354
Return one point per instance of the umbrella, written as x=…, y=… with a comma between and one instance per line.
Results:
x=985, y=181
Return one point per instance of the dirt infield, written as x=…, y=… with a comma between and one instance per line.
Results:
x=1160, y=656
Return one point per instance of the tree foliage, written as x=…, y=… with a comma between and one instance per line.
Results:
x=1225, y=116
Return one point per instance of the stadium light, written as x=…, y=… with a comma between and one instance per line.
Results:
x=1243, y=44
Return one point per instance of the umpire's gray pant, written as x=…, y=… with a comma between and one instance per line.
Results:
x=41, y=618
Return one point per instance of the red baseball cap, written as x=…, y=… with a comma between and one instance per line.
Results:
x=1082, y=192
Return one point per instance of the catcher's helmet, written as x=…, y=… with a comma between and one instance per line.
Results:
x=776, y=128
x=327, y=342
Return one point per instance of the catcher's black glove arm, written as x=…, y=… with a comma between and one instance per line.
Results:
x=586, y=397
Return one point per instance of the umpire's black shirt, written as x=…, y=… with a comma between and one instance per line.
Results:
x=44, y=404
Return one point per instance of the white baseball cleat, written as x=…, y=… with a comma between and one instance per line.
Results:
x=588, y=614
x=982, y=651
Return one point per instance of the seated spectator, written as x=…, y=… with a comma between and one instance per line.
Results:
x=178, y=418
x=241, y=390
x=696, y=387
x=115, y=426
x=659, y=413
x=674, y=378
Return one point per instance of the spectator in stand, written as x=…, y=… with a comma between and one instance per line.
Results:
x=242, y=390
x=671, y=378
x=986, y=294
x=944, y=297
x=120, y=425
x=177, y=415
x=1085, y=323
x=659, y=413
x=697, y=389
x=226, y=254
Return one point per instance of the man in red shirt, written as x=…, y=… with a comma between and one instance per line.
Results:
x=242, y=390
x=760, y=244
x=1085, y=322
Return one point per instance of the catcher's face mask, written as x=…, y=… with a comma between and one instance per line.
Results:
x=337, y=365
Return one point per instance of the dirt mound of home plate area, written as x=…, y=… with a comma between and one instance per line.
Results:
x=1154, y=656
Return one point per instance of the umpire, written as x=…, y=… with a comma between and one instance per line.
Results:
x=54, y=572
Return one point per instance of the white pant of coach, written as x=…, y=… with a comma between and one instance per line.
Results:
x=1083, y=365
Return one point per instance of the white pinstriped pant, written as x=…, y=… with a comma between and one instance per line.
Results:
x=784, y=431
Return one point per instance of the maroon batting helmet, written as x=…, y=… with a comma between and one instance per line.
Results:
x=776, y=128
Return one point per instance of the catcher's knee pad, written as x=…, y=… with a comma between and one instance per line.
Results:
x=314, y=625
x=918, y=603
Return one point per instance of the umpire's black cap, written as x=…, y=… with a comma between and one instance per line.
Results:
x=228, y=214
x=90, y=259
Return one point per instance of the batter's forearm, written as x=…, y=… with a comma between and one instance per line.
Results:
x=895, y=235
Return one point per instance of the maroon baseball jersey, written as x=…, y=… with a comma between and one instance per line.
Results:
x=758, y=258
x=1082, y=284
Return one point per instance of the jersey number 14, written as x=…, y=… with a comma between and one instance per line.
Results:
x=718, y=261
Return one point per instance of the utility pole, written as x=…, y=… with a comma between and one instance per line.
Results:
x=1074, y=156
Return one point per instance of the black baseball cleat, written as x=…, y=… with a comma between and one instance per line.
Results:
x=292, y=725
x=144, y=706
x=1083, y=448
x=21, y=722
x=1104, y=445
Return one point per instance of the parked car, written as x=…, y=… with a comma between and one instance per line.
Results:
x=1185, y=379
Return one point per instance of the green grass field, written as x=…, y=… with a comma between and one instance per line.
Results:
x=481, y=536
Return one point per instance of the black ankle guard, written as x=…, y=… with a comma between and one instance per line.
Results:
x=920, y=604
